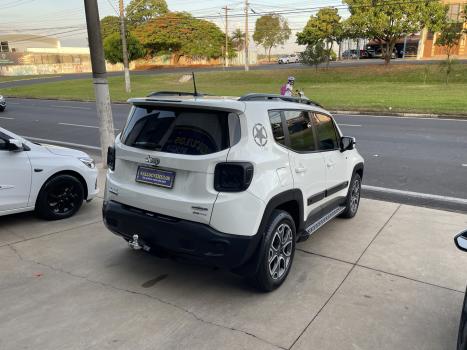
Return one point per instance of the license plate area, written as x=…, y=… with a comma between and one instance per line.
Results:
x=155, y=176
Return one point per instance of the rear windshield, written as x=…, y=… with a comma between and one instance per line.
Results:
x=181, y=130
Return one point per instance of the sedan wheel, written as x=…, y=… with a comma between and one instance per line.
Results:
x=60, y=198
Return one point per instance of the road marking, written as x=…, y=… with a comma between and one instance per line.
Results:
x=349, y=125
x=7, y=118
x=464, y=165
x=416, y=195
x=80, y=125
x=72, y=107
x=61, y=143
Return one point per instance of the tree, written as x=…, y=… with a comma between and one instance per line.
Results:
x=109, y=25
x=238, y=39
x=387, y=21
x=271, y=30
x=180, y=34
x=324, y=27
x=113, y=48
x=315, y=54
x=139, y=12
x=450, y=37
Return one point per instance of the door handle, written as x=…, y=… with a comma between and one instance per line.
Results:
x=330, y=164
x=300, y=170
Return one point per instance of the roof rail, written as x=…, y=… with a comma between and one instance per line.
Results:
x=174, y=93
x=274, y=97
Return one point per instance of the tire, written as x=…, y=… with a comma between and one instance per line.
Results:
x=353, y=197
x=2, y=109
x=60, y=198
x=280, y=233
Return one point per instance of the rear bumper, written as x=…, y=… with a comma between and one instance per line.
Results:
x=177, y=237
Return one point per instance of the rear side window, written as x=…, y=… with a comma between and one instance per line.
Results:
x=300, y=131
x=327, y=133
x=181, y=130
x=276, y=125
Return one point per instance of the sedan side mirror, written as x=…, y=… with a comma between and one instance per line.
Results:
x=461, y=241
x=347, y=143
x=15, y=145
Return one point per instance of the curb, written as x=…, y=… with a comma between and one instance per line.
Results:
x=400, y=115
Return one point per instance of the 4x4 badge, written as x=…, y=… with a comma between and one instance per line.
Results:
x=260, y=135
x=153, y=161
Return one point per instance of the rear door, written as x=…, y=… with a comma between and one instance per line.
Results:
x=166, y=157
x=307, y=163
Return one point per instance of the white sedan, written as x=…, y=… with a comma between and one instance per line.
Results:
x=53, y=181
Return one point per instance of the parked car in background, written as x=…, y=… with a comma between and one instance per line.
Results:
x=350, y=54
x=53, y=181
x=294, y=58
x=461, y=242
x=2, y=103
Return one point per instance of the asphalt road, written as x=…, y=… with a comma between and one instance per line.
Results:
x=426, y=156
x=274, y=66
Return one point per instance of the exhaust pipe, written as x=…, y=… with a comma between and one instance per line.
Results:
x=136, y=244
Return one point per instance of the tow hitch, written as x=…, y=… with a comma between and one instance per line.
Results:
x=137, y=244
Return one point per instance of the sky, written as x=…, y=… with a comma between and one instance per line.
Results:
x=64, y=19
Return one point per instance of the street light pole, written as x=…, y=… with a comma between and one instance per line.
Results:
x=126, y=66
x=247, y=68
x=99, y=77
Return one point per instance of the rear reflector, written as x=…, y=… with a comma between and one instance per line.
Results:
x=111, y=158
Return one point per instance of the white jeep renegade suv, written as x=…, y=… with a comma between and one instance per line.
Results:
x=231, y=182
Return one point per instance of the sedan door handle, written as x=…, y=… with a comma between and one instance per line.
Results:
x=300, y=170
x=330, y=164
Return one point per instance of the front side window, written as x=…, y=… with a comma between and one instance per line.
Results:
x=3, y=141
x=327, y=133
x=300, y=130
x=181, y=130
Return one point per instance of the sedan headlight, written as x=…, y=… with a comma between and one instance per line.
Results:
x=89, y=162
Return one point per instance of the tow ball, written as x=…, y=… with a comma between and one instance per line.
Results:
x=136, y=244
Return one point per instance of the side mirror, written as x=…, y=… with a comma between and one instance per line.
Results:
x=347, y=143
x=461, y=241
x=15, y=145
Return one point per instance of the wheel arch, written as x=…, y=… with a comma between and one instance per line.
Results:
x=71, y=173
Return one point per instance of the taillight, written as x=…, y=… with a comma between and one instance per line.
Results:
x=233, y=177
x=111, y=158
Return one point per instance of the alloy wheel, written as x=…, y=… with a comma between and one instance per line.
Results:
x=63, y=199
x=355, y=196
x=280, y=251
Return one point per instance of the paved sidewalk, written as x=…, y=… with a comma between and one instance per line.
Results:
x=390, y=278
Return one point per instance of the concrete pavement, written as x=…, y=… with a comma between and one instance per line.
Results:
x=390, y=278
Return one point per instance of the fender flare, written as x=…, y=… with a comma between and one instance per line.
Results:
x=251, y=266
x=358, y=167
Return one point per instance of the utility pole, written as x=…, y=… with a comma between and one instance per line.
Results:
x=226, y=35
x=124, y=48
x=247, y=36
x=99, y=77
